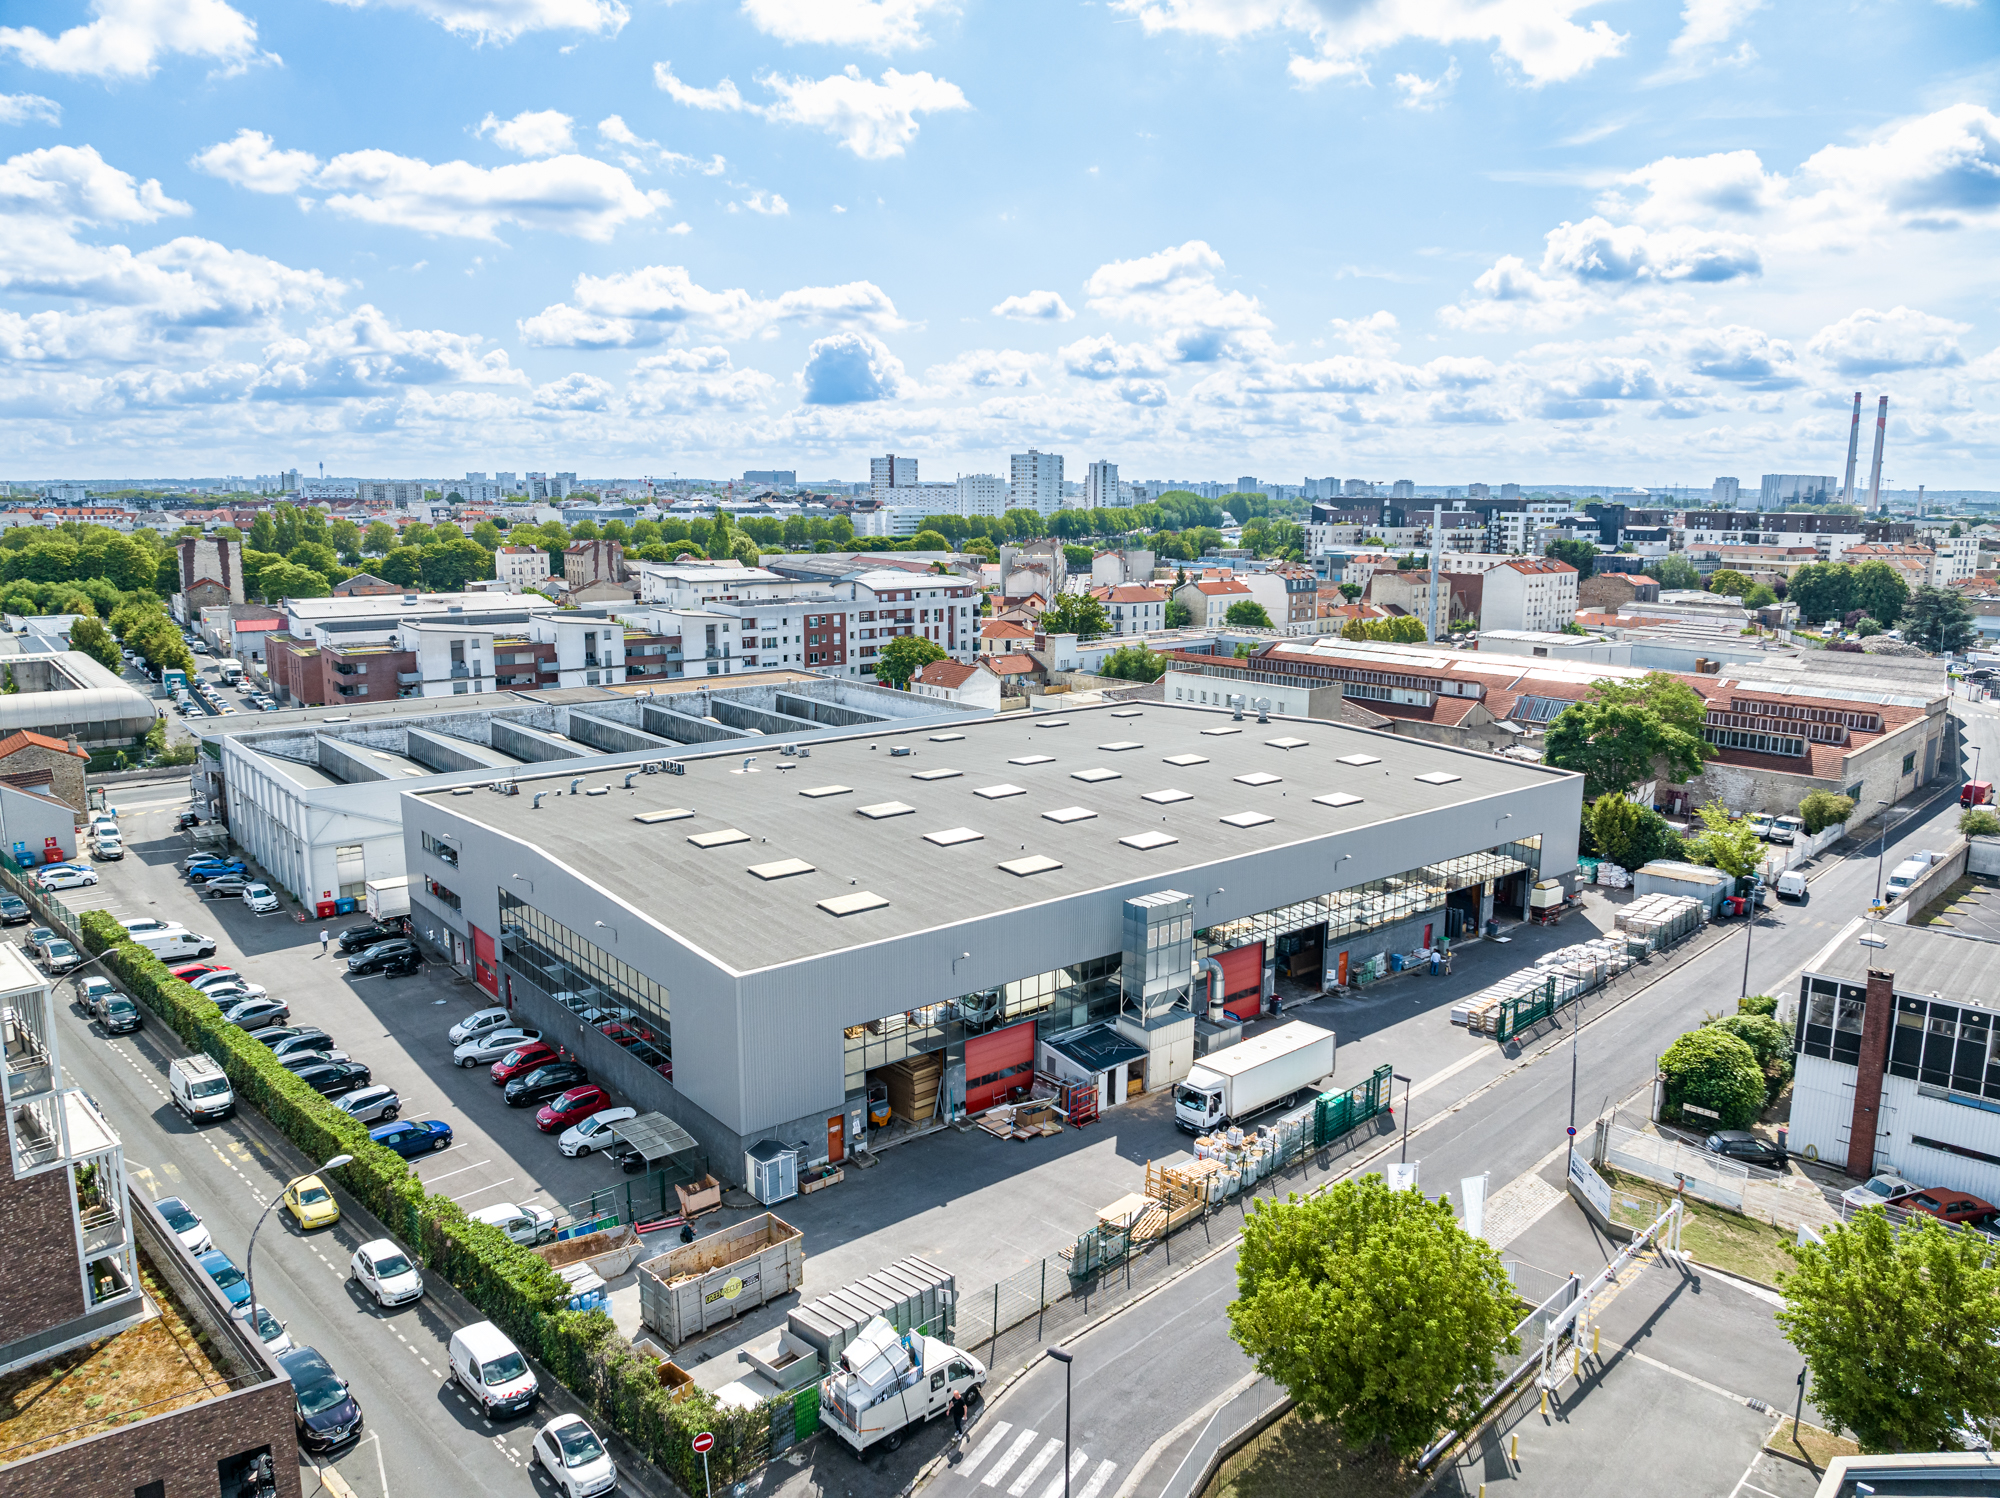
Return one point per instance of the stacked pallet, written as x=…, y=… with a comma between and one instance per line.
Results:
x=1576, y=970
x=1661, y=918
x=1033, y=1119
x=1611, y=876
x=1180, y=1191
x=913, y=1086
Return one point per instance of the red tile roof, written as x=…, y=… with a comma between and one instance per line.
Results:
x=1021, y=663
x=27, y=738
x=1221, y=589
x=1004, y=629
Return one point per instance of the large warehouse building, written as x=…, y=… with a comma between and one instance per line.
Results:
x=748, y=943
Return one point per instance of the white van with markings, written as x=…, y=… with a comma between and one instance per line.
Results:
x=492, y=1370
x=199, y=1087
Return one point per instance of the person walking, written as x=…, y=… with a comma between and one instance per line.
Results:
x=322, y=942
x=957, y=1407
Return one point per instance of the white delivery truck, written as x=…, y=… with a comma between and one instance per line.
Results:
x=1905, y=874
x=1239, y=1081
x=200, y=1087
x=888, y=1381
x=389, y=898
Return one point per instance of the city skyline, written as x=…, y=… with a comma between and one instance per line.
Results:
x=797, y=234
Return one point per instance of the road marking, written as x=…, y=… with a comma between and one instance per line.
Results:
x=985, y=1448
x=1098, y=1479
x=1061, y=1481
x=432, y=1180
x=1034, y=1469
x=476, y=1190
x=1021, y=1443
x=1700, y=1383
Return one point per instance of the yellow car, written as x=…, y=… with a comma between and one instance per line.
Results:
x=311, y=1203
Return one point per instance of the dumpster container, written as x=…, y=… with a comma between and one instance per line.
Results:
x=702, y=1284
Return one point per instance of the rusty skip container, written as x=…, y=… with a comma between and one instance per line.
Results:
x=702, y=1284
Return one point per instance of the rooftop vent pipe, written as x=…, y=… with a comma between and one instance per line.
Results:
x=628, y=778
x=1263, y=709
x=574, y=784
x=538, y=799
x=1236, y=702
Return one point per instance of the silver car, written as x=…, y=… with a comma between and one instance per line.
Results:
x=490, y=1047
x=376, y=1104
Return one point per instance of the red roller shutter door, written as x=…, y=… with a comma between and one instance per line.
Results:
x=997, y=1063
x=1243, y=980
x=483, y=962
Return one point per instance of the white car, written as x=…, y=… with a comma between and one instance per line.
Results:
x=478, y=1023
x=385, y=1272
x=375, y=1104
x=93, y=991
x=145, y=926
x=261, y=899
x=1879, y=1191
x=276, y=1339
x=186, y=1226
x=494, y=1044
x=232, y=980
x=63, y=876
x=527, y=1225
x=103, y=822
x=594, y=1133
x=574, y=1458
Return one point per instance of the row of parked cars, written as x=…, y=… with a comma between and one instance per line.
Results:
x=531, y=1072
x=1884, y=1190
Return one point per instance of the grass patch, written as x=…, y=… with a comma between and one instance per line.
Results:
x=1302, y=1455
x=1813, y=1446
x=1728, y=1240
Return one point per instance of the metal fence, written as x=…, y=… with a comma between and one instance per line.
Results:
x=1675, y=1165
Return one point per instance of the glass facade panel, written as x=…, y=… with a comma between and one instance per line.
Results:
x=623, y=1003
x=1937, y=1045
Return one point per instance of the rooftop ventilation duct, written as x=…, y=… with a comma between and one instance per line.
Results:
x=574, y=783
x=538, y=799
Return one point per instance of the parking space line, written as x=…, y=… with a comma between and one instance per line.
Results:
x=430, y=1180
x=491, y=1186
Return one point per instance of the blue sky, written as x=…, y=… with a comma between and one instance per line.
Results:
x=1449, y=240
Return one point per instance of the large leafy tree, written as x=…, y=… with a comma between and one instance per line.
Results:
x=1579, y=553
x=1729, y=580
x=94, y=640
x=1900, y=1327
x=902, y=658
x=1374, y=1309
x=1881, y=591
x=1247, y=613
x=1716, y=1070
x=1627, y=833
x=1076, y=614
x=1675, y=571
x=1726, y=843
x=1938, y=620
x=1626, y=732
x=1134, y=663
x=1822, y=590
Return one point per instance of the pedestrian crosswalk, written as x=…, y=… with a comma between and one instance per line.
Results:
x=1006, y=1447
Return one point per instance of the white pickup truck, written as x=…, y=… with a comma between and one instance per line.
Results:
x=889, y=1381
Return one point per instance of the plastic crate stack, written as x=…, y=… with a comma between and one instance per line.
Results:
x=1661, y=920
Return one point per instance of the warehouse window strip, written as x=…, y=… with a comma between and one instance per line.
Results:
x=628, y=1007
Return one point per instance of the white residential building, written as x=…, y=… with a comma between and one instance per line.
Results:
x=1529, y=593
x=1100, y=486
x=404, y=492
x=1134, y=608
x=476, y=489
x=1724, y=493
x=895, y=520
x=983, y=494
x=521, y=567
x=891, y=472
x=1037, y=481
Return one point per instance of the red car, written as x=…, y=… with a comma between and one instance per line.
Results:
x=525, y=1059
x=572, y=1107
x=188, y=972
x=1952, y=1206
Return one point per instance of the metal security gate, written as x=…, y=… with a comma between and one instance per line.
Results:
x=1336, y=1113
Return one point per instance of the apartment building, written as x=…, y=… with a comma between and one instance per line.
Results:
x=1409, y=591
x=1100, y=486
x=394, y=493
x=1529, y=593
x=983, y=494
x=593, y=561
x=1133, y=608
x=520, y=568
x=1208, y=600
x=1037, y=481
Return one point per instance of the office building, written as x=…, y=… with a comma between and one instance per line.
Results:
x=1037, y=481
x=1781, y=489
x=777, y=478
x=1724, y=494
x=406, y=493
x=1403, y=489
x=891, y=472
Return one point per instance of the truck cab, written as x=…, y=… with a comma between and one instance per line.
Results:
x=888, y=1381
x=1199, y=1106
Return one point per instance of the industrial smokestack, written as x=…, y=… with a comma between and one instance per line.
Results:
x=1437, y=571
x=1853, y=450
x=1875, y=472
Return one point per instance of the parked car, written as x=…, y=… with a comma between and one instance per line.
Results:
x=484, y=1050
x=270, y=1329
x=213, y=868
x=527, y=1225
x=311, y=1204
x=385, y=1272
x=478, y=1023
x=64, y=876
x=594, y=1133
x=59, y=957
x=120, y=1016
x=298, y=1061
x=309, y=1038
x=1787, y=829
x=91, y=993
x=374, y=1104
x=327, y=1414
x=228, y=978
x=1952, y=1206
x=1880, y=1191
x=228, y=1278
x=574, y=1457
x=542, y=1083
x=189, y=1228
x=412, y=1137
x=1792, y=885
x=14, y=910
x=360, y=938
x=229, y=887
x=103, y=822
x=522, y=1058
x=571, y=1107
x=1741, y=1144
x=491, y=1369
x=254, y=1013
x=261, y=898
x=397, y=958
x=187, y=972
x=107, y=846
x=36, y=942
x=332, y=1078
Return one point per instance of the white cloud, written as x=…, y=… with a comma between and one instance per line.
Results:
x=1175, y=290
x=1592, y=387
x=566, y=194
x=1036, y=306
x=656, y=302
x=505, y=20
x=1540, y=39
x=1703, y=43
x=129, y=37
x=1743, y=356
x=638, y=154
x=1679, y=189
x=1867, y=342
x=575, y=392
x=72, y=185
x=1373, y=335
x=21, y=109
x=692, y=379
x=1937, y=172
x=539, y=132
x=987, y=369
x=1105, y=358
x=365, y=353
x=1424, y=93
x=770, y=204
x=1596, y=250
x=875, y=120
x=872, y=25
x=850, y=368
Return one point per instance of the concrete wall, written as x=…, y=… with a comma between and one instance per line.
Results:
x=1938, y=878
x=1983, y=856
x=614, y=738
x=1877, y=767
x=444, y=754
x=536, y=746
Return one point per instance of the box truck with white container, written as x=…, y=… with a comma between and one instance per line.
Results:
x=389, y=898
x=888, y=1381
x=1231, y=1085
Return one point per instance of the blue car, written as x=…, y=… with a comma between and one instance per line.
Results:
x=413, y=1137
x=216, y=870
x=228, y=1278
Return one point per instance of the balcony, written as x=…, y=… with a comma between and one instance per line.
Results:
x=409, y=678
x=460, y=669
x=351, y=691
x=591, y=660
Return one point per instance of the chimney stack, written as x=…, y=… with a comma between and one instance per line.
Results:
x=1853, y=451
x=1865, y=1128
x=1875, y=473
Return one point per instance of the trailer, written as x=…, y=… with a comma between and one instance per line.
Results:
x=702, y=1284
x=609, y=1252
x=912, y=1294
x=389, y=898
x=1231, y=1085
x=889, y=1381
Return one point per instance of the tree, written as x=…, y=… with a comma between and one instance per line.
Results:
x=1628, y=834
x=929, y=540
x=1076, y=614
x=1713, y=1069
x=94, y=640
x=1900, y=1327
x=1976, y=821
x=1822, y=590
x=1823, y=809
x=1578, y=553
x=1675, y=571
x=1350, y=591
x=1938, y=620
x=1247, y=613
x=403, y=566
x=1374, y=1309
x=1760, y=596
x=1729, y=580
x=744, y=549
x=1134, y=663
x=1770, y=1042
x=286, y=579
x=320, y=557
x=1880, y=589
x=1617, y=735
x=379, y=538
x=1726, y=843
x=902, y=658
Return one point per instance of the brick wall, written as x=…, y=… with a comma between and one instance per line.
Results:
x=182, y=1448
x=47, y=1287
x=65, y=771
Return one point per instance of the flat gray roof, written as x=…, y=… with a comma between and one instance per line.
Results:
x=1957, y=969
x=744, y=860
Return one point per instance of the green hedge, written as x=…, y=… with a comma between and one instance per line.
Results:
x=504, y=1280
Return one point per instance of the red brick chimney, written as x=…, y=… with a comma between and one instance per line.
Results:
x=1876, y=1020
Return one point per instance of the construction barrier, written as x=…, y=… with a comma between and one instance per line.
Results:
x=1336, y=1113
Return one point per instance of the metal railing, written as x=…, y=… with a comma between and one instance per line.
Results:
x=1677, y=1166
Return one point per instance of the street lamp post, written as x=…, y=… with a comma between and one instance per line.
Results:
x=1881, y=848
x=1399, y=1077
x=1064, y=1358
x=250, y=1255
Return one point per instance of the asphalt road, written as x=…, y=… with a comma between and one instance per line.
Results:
x=1148, y=1377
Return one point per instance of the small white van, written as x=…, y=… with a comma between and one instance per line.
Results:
x=199, y=1088
x=1792, y=885
x=174, y=942
x=1902, y=876
x=492, y=1370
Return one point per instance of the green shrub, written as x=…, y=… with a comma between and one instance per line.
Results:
x=1824, y=809
x=1979, y=821
x=1713, y=1069
x=1757, y=1003
x=1770, y=1042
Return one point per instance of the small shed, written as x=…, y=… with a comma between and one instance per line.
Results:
x=1096, y=1054
x=1666, y=876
